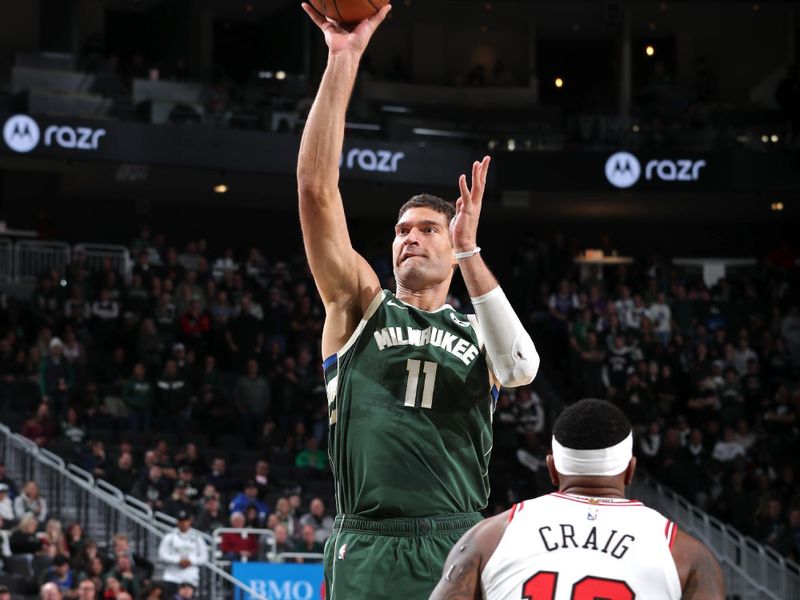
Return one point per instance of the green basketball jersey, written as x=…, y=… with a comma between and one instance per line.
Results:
x=410, y=403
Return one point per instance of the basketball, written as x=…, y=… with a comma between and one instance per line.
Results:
x=348, y=11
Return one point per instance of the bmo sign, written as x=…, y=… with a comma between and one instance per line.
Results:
x=280, y=581
x=624, y=170
x=22, y=134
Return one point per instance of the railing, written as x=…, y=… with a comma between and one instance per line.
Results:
x=6, y=260
x=25, y=261
x=118, y=257
x=752, y=569
x=33, y=258
x=73, y=495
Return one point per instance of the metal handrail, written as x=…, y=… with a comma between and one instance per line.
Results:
x=731, y=546
x=138, y=505
x=129, y=507
x=304, y=555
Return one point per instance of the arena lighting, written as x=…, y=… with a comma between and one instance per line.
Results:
x=774, y=138
x=777, y=206
x=265, y=75
x=400, y=110
x=650, y=50
x=559, y=82
x=765, y=138
x=636, y=129
x=511, y=145
x=280, y=75
x=220, y=188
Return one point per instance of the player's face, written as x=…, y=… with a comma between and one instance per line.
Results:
x=422, y=252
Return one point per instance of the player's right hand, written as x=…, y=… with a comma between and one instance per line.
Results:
x=341, y=40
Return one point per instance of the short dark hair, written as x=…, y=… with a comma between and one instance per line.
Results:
x=591, y=424
x=440, y=205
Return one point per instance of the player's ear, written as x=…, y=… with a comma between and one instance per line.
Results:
x=629, y=471
x=551, y=469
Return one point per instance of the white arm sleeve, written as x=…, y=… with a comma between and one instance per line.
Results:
x=510, y=350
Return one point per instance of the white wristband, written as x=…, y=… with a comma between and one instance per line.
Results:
x=468, y=253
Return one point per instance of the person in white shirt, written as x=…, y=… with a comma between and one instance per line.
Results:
x=6, y=507
x=660, y=314
x=182, y=551
x=586, y=540
x=29, y=502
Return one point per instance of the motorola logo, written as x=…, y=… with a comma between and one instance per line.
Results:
x=21, y=133
x=381, y=161
x=623, y=170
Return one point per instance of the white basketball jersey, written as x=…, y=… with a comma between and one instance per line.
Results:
x=567, y=547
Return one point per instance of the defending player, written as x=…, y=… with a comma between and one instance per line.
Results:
x=410, y=380
x=585, y=541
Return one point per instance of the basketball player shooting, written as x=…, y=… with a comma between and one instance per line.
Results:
x=586, y=541
x=410, y=380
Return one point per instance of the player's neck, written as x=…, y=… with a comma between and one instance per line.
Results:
x=593, y=491
x=429, y=299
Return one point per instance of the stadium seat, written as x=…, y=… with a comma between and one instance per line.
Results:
x=15, y=583
x=23, y=396
x=19, y=564
x=40, y=563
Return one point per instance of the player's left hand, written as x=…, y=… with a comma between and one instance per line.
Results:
x=468, y=207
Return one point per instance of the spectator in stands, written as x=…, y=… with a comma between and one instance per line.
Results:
x=94, y=573
x=124, y=573
x=75, y=539
x=31, y=503
x=121, y=544
x=73, y=430
x=186, y=591
x=219, y=478
x=50, y=591
x=262, y=478
x=181, y=551
x=154, y=490
x=319, y=520
x=249, y=497
x=13, y=490
x=174, y=399
x=211, y=516
x=253, y=396
x=308, y=541
x=238, y=546
x=283, y=542
x=7, y=508
x=41, y=428
x=5, y=542
x=286, y=516
x=191, y=487
x=56, y=377
x=178, y=502
x=5, y=593
x=60, y=574
x=138, y=396
x=87, y=552
x=195, y=326
x=24, y=539
x=96, y=461
x=87, y=588
x=54, y=538
x=245, y=333
x=124, y=475
x=311, y=457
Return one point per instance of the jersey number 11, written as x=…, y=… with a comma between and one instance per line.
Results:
x=429, y=370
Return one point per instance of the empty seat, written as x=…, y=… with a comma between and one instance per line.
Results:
x=19, y=564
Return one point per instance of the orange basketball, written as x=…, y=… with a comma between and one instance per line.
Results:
x=348, y=11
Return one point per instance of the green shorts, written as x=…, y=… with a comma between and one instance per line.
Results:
x=390, y=558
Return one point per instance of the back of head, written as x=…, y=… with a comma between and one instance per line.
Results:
x=591, y=424
x=592, y=438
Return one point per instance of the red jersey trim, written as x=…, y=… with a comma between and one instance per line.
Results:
x=671, y=533
x=597, y=501
x=516, y=508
